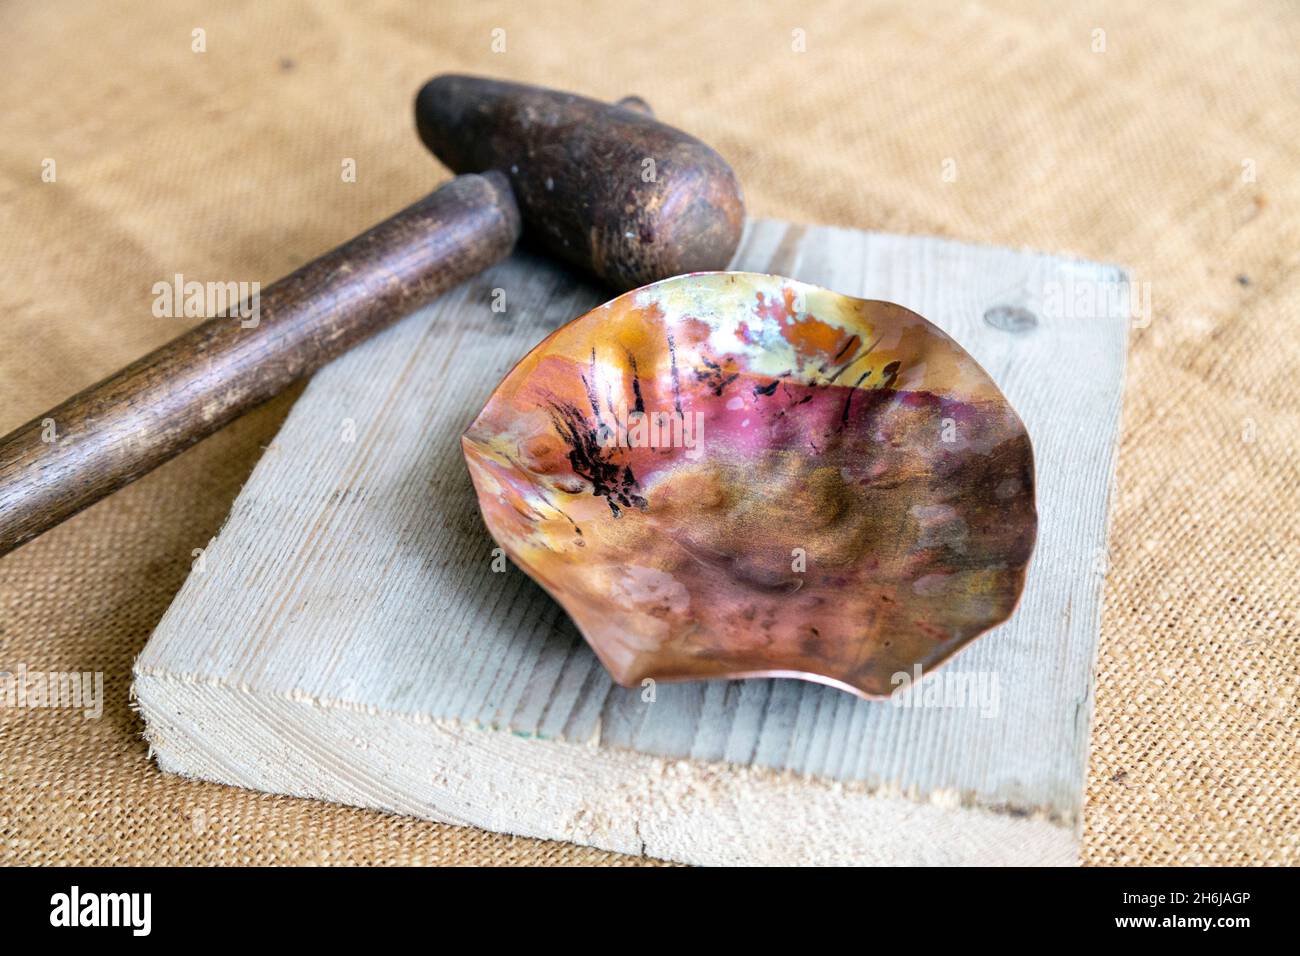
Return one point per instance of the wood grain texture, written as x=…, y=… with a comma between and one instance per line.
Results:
x=345, y=636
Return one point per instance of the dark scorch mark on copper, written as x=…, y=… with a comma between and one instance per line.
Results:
x=889, y=373
x=589, y=385
x=592, y=461
x=853, y=361
x=848, y=399
x=677, y=384
x=713, y=375
x=852, y=343
x=636, y=384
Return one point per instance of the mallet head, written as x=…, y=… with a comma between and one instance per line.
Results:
x=605, y=186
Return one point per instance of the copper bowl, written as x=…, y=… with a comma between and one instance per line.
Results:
x=728, y=475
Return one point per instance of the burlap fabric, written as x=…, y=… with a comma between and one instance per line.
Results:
x=1162, y=137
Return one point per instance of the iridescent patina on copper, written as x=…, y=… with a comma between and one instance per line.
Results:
x=740, y=475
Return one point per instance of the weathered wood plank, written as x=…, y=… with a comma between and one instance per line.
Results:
x=354, y=575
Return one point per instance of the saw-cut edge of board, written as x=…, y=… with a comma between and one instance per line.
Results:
x=346, y=637
x=685, y=810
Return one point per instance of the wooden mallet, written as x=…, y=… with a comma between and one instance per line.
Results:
x=606, y=187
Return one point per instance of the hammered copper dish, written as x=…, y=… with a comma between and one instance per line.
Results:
x=731, y=475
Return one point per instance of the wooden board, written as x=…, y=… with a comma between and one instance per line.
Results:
x=345, y=636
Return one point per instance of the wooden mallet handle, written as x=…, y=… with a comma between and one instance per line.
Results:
x=602, y=185
x=112, y=433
